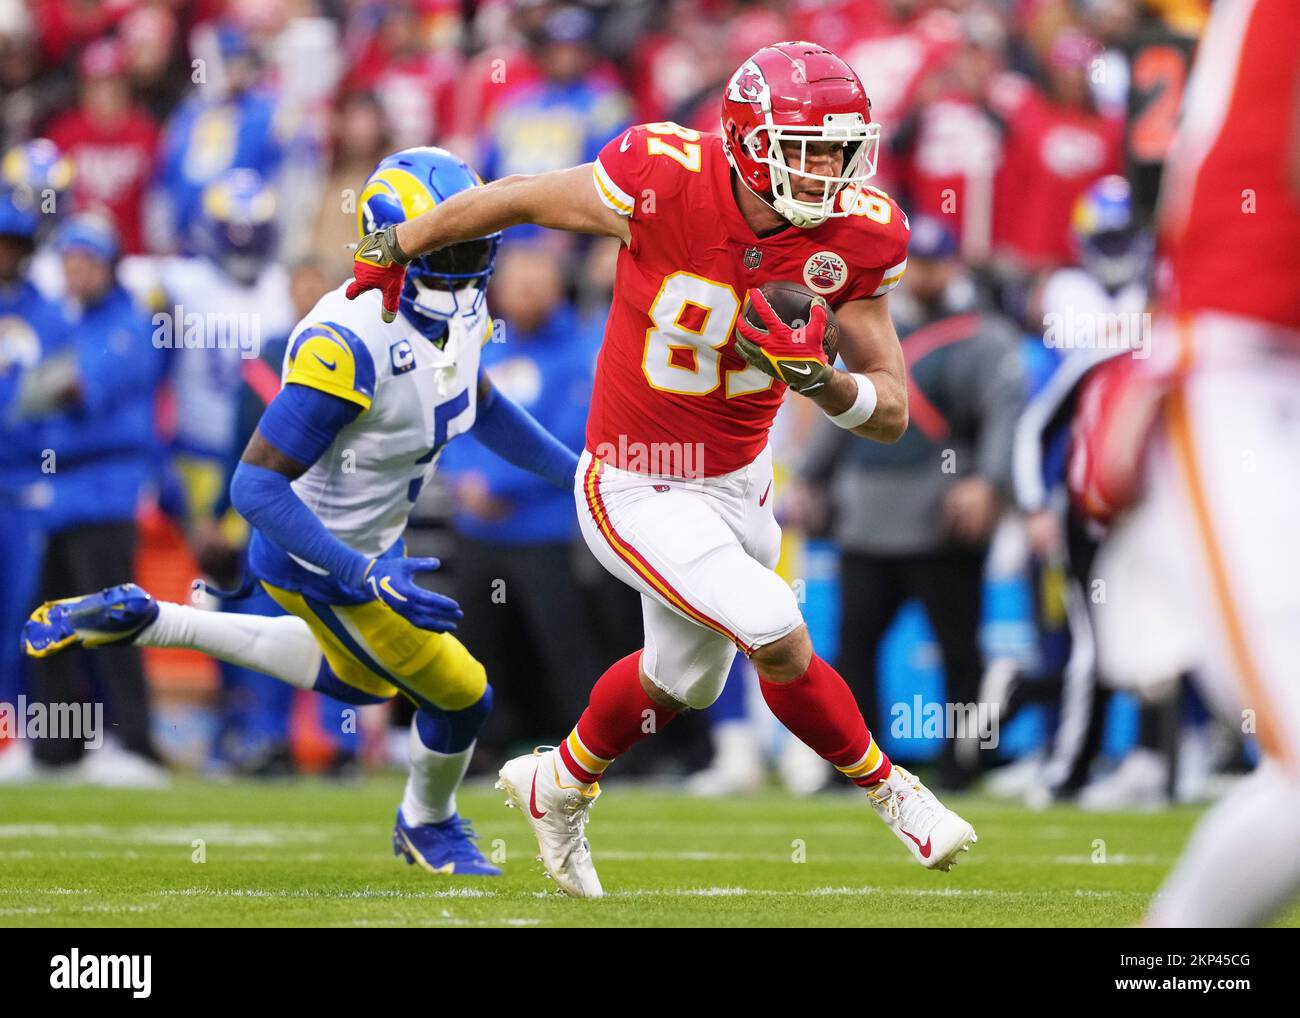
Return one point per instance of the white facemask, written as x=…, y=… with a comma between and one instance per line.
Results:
x=444, y=304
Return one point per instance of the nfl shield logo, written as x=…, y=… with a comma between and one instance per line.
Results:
x=753, y=256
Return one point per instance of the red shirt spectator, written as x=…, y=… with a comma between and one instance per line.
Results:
x=1057, y=144
x=896, y=53
x=412, y=74
x=111, y=142
x=950, y=146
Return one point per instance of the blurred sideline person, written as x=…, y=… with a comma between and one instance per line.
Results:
x=111, y=141
x=254, y=733
x=517, y=533
x=93, y=403
x=1110, y=284
x=1201, y=570
x=328, y=482
x=214, y=309
x=40, y=177
x=914, y=519
x=30, y=326
x=227, y=124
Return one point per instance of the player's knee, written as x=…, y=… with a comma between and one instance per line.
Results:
x=330, y=684
x=450, y=678
x=453, y=731
x=703, y=692
x=693, y=688
x=784, y=660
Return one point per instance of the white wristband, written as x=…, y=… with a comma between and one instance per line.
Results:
x=863, y=406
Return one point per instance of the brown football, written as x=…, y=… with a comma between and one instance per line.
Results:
x=792, y=303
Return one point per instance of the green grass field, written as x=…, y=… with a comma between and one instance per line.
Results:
x=310, y=853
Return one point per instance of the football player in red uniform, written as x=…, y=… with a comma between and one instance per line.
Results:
x=1201, y=571
x=674, y=490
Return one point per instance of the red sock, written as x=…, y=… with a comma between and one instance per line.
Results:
x=819, y=708
x=618, y=716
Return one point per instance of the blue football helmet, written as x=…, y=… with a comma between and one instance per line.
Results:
x=1111, y=243
x=35, y=177
x=447, y=282
x=236, y=227
x=17, y=217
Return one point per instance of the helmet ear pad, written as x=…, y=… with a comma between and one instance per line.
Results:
x=759, y=179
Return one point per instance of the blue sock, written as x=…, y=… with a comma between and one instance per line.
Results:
x=452, y=731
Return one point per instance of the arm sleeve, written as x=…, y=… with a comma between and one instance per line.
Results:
x=1035, y=431
x=301, y=423
x=624, y=166
x=265, y=498
x=877, y=263
x=510, y=431
x=896, y=264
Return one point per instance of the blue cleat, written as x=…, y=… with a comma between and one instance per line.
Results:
x=443, y=849
x=114, y=615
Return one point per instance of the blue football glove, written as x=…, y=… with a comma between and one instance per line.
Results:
x=392, y=580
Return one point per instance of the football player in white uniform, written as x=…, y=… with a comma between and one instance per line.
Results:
x=328, y=481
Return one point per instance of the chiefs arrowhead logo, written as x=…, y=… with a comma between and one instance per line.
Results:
x=748, y=84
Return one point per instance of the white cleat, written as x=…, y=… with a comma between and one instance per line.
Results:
x=934, y=834
x=558, y=816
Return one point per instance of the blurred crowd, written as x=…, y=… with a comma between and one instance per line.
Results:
x=203, y=159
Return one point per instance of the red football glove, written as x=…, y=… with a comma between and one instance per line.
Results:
x=379, y=264
x=791, y=355
x=1117, y=408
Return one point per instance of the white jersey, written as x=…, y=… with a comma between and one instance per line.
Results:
x=210, y=323
x=1088, y=324
x=414, y=396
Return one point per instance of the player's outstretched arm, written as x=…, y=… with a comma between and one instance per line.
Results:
x=296, y=429
x=511, y=432
x=869, y=346
x=559, y=200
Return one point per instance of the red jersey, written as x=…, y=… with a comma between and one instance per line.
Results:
x=1052, y=155
x=951, y=166
x=669, y=381
x=893, y=59
x=113, y=166
x=1229, y=216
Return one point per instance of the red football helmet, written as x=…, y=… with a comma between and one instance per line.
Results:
x=799, y=91
x=1119, y=403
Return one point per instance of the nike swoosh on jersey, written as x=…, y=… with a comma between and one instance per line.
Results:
x=627, y=140
x=328, y=364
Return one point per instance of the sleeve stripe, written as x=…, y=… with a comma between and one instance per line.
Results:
x=891, y=278
x=333, y=389
x=610, y=193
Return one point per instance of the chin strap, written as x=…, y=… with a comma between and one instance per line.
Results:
x=794, y=216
